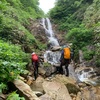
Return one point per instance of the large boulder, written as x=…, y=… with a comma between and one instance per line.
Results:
x=63, y=79
x=56, y=90
x=37, y=85
x=69, y=82
x=89, y=93
x=45, y=97
x=24, y=90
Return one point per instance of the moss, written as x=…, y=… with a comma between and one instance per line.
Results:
x=72, y=88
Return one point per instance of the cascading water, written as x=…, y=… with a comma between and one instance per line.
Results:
x=52, y=57
x=88, y=74
x=49, y=32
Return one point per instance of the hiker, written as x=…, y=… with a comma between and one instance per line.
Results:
x=65, y=60
x=35, y=63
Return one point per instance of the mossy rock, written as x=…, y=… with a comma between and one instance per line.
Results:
x=72, y=88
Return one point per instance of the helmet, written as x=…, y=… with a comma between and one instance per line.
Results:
x=33, y=53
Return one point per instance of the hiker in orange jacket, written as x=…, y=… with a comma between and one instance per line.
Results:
x=65, y=60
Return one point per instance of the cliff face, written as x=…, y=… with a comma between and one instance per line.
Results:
x=37, y=30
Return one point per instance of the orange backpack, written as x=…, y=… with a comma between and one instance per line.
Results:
x=67, y=53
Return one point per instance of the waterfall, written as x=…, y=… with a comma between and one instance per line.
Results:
x=49, y=32
x=52, y=57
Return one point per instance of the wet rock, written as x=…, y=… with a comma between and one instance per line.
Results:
x=50, y=70
x=81, y=84
x=55, y=48
x=57, y=65
x=87, y=75
x=41, y=71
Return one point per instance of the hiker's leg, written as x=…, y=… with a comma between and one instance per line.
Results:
x=37, y=65
x=67, y=71
x=61, y=69
x=66, y=67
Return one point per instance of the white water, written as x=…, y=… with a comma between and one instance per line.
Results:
x=52, y=57
x=86, y=76
x=49, y=32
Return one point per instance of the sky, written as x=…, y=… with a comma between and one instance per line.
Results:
x=46, y=5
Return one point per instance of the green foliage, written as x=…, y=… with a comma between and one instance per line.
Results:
x=12, y=61
x=88, y=54
x=2, y=87
x=14, y=20
x=80, y=37
x=72, y=88
x=45, y=64
x=68, y=14
x=14, y=96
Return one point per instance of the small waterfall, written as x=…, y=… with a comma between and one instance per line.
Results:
x=49, y=32
x=87, y=74
x=52, y=57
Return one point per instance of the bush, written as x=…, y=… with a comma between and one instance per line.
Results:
x=2, y=87
x=14, y=96
x=12, y=61
x=88, y=55
x=80, y=37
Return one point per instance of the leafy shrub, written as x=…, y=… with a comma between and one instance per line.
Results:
x=2, y=87
x=87, y=54
x=46, y=64
x=14, y=96
x=12, y=61
x=80, y=37
x=14, y=20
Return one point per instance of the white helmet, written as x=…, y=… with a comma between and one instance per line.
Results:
x=33, y=53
